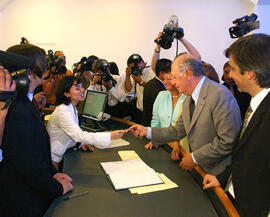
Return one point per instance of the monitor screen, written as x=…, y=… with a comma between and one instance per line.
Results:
x=94, y=104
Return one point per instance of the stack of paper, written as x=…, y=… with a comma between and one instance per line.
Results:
x=130, y=173
x=114, y=143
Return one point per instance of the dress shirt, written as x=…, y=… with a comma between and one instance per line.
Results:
x=30, y=96
x=65, y=132
x=254, y=104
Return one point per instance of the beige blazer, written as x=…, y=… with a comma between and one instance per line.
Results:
x=213, y=129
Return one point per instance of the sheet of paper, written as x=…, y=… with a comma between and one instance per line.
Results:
x=115, y=143
x=128, y=155
x=168, y=184
x=130, y=173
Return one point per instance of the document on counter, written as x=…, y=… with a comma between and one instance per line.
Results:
x=114, y=143
x=168, y=184
x=130, y=173
x=128, y=155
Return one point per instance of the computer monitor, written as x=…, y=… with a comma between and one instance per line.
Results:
x=94, y=104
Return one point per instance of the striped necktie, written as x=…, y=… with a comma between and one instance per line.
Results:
x=247, y=115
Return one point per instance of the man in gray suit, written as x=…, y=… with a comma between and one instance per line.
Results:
x=210, y=118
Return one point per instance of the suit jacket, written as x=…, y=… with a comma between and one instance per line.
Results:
x=250, y=166
x=211, y=132
x=150, y=92
x=27, y=186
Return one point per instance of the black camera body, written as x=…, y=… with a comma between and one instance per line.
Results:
x=103, y=65
x=55, y=61
x=18, y=67
x=85, y=64
x=244, y=25
x=136, y=59
x=169, y=33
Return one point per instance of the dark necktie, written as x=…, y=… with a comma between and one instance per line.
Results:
x=247, y=115
x=191, y=107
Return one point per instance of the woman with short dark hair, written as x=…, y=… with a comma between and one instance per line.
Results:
x=63, y=126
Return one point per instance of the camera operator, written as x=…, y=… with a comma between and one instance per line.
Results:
x=57, y=70
x=104, y=81
x=28, y=180
x=136, y=77
x=84, y=70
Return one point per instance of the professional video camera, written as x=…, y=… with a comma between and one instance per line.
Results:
x=244, y=25
x=170, y=31
x=18, y=67
x=103, y=65
x=55, y=61
x=85, y=64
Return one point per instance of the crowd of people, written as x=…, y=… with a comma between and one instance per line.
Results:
x=223, y=127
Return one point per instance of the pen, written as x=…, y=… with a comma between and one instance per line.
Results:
x=75, y=195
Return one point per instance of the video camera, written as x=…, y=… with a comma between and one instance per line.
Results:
x=244, y=25
x=103, y=65
x=170, y=31
x=55, y=61
x=18, y=67
x=85, y=64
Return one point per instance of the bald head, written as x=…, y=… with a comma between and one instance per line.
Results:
x=187, y=61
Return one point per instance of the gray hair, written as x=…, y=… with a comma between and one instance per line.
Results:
x=192, y=64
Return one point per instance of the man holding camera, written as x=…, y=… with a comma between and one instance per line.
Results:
x=57, y=70
x=136, y=78
x=28, y=180
x=104, y=81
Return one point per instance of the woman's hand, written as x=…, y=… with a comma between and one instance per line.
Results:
x=86, y=147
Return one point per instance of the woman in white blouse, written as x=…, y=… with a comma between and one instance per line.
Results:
x=63, y=126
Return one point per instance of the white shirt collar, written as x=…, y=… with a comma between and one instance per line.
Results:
x=159, y=80
x=256, y=100
x=196, y=92
x=30, y=96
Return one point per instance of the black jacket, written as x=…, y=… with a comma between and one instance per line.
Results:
x=150, y=92
x=250, y=166
x=27, y=186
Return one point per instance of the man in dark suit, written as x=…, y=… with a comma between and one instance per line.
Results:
x=248, y=176
x=210, y=118
x=28, y=181
x=152, y=88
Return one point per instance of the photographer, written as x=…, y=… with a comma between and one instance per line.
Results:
x=135, y=79
x=28, y=180
x=104, y=81
x=84, y=70
x=57, y=70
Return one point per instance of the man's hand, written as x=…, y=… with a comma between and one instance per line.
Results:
x=187, y=162
x=128, y=71
x=117, y=134
x=210, y=181
x=138, y=130
x=137, y=79
x=65, y=181
x=96, y=79
x=5, y=85
x=61, y=176
x=175, y=153
x=107, y=84
x=40, y=99
x=149, y=146
x=86, y=147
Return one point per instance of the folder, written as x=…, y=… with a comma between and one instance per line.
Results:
x=130, y=174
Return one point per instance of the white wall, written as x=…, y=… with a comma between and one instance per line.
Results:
x=263, y=12
x=115, y=29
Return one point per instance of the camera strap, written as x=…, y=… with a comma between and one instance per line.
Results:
x=8, y=97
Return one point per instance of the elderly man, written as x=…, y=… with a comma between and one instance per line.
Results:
x=210, y=118
x=250, y=168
